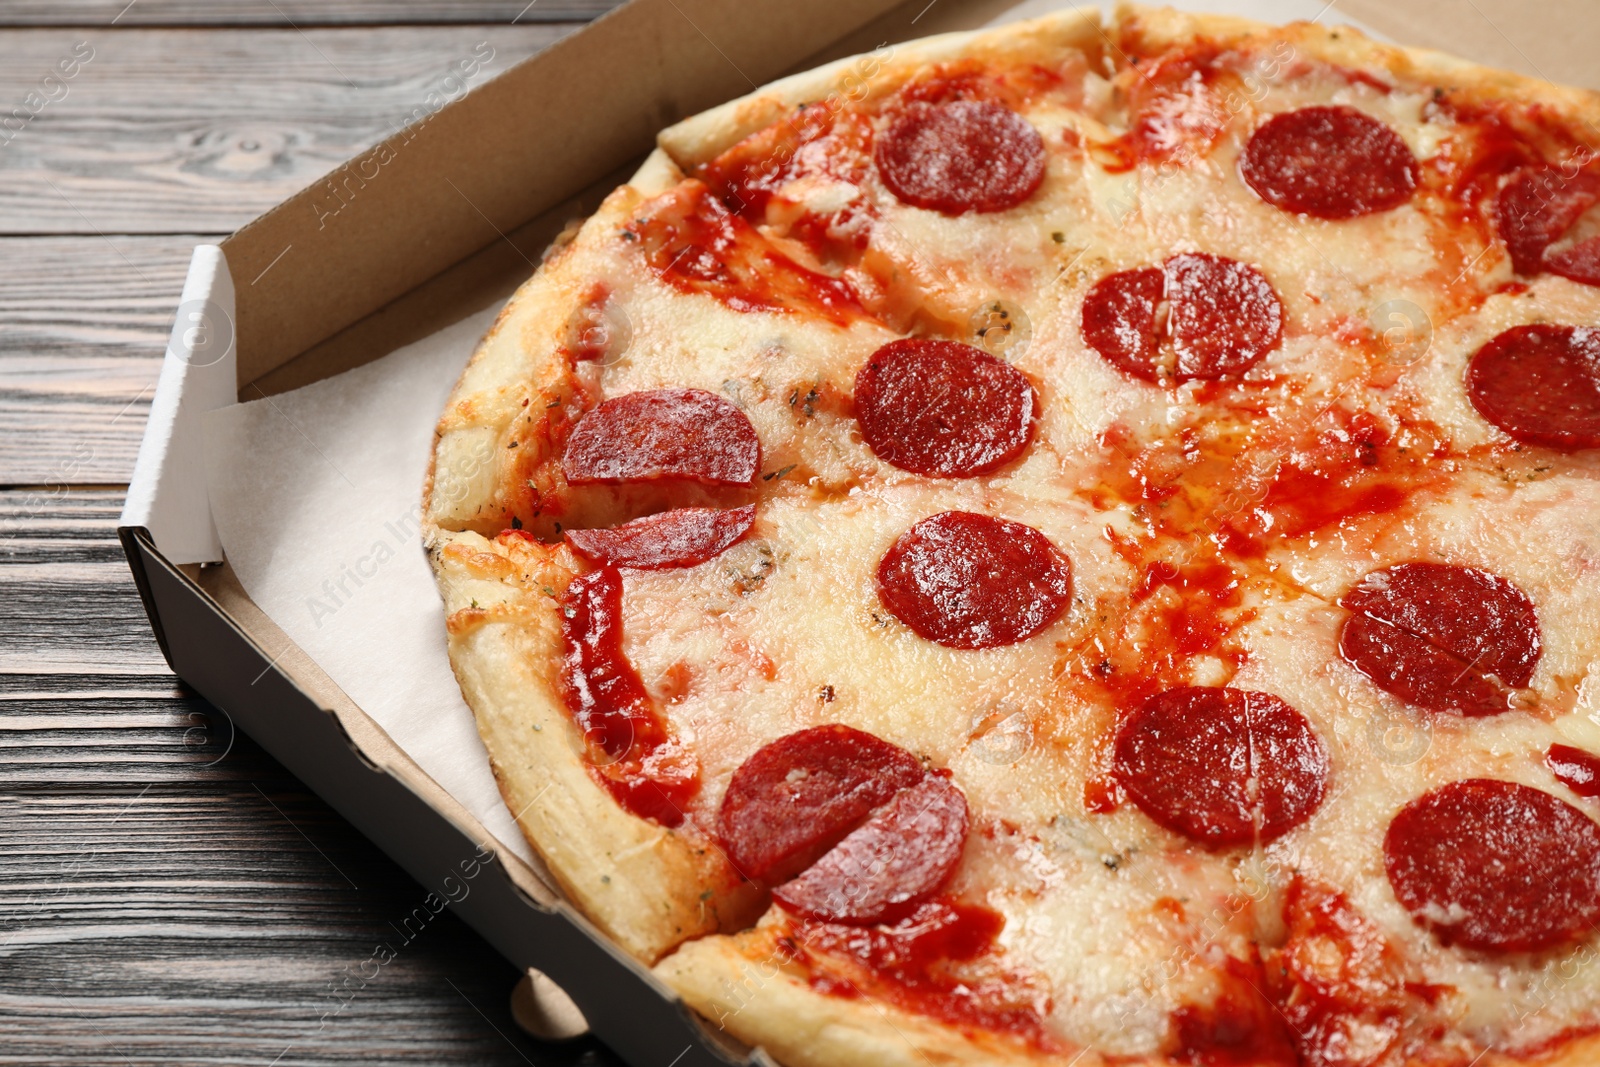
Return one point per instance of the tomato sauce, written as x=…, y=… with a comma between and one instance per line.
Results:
x=968, y=80
x=630, y=751
x=1345, y=466
x=694, y=243
x=1337, y=975
x=1240, y=1027
x=589, y=336
x=916, y=964
x=1205, y=590
x=1102, y=794
x=1468, y=167
x=815, y=141
x=1214, y=499
x=1176, y=112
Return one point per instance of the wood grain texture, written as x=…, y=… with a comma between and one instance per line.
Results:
x=68, y=598
x=292, y=12
x=185, y=131
x=235, y=919
x=83, y=325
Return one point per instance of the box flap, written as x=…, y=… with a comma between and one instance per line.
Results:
x=406, y=209
x=167, y=494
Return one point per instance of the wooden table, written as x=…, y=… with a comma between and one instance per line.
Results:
x=168, y=893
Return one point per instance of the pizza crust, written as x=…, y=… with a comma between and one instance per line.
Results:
x=734, y=980
x=738, y=986
x=518, y=365
x=1342, y=45
x=741, y=987
x=645, y=886
x=702, y=137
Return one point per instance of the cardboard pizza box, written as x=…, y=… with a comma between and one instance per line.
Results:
x=393, y=246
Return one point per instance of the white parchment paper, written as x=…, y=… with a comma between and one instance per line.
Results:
x=1272, y=11
x=316, y=496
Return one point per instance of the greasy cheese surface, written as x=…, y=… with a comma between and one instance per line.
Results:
x=1257, y=494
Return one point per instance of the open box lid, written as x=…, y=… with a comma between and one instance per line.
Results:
x=445, y=218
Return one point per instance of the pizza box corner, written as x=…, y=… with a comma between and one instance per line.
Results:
x=397, y=244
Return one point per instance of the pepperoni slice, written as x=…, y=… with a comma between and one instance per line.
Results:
x=1495, y=865
x=663, y=433
x=1540, y=384
x=1331, y=162
x=973, y=581
x=798, y=797
x=1442, y=637
x=944, y=408
x=1221, y=766
x=882, y=870
x=960, y=156
x=679, y=538
x=1574, y=768
x=1581, y=262
x=1119, y=321
x=1535, y=208
x=1222, y=317
x=1417, y=671
x=631, y=753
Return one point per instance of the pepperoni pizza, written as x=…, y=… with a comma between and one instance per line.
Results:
x=1076, y=543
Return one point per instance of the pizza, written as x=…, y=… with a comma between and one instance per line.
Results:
x=1071, y=543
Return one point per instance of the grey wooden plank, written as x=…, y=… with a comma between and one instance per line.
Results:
x=233, y=921
x=83, y=324
x=58, y=616
x=60, y=612
x=293, y=12
x=199, y=131
x=106, y=729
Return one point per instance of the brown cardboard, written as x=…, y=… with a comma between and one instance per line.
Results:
x=446, y=218
x=490, y=161
x=1549, y=39
x=487, y=277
